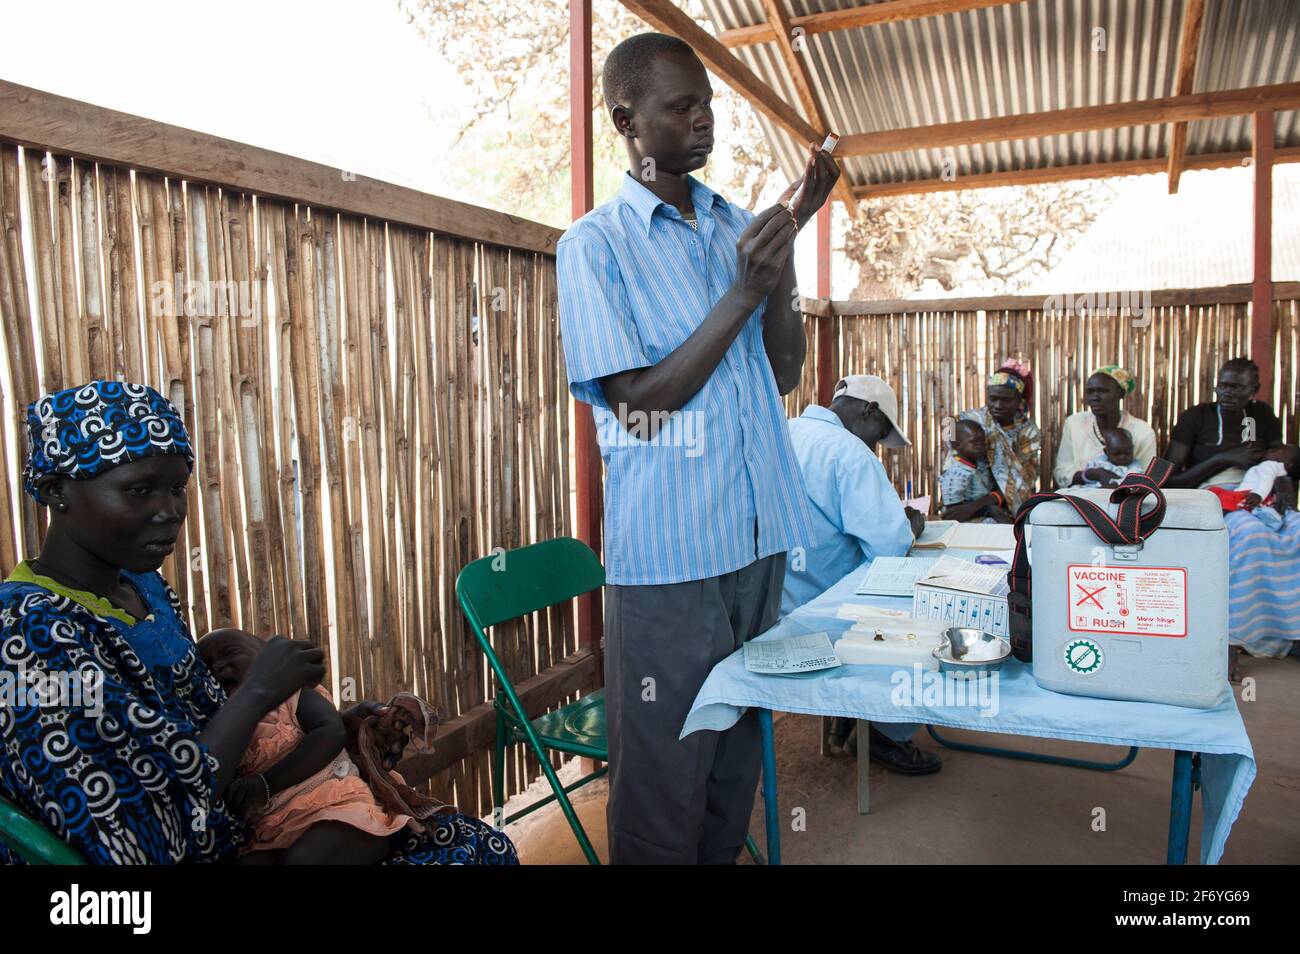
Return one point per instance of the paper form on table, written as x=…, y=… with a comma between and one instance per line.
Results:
x=804, y=653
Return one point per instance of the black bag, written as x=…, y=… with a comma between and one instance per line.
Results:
x=1131, y=526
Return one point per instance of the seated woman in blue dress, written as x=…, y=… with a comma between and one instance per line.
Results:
x=118, y=738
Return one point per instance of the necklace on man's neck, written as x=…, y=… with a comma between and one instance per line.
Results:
x=690, y=218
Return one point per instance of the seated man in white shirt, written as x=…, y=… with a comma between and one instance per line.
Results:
x=857, y=516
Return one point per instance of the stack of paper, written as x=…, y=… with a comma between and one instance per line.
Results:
x=967, y=536
x=983, y=536
x=936, y=534
x=894, y=576
x=953, y=573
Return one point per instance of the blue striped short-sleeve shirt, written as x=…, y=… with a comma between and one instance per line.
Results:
x=717, y=486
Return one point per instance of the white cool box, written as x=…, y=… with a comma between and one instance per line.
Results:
x=1147, y=623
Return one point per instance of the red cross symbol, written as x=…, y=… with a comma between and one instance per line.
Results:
x=1090, y=596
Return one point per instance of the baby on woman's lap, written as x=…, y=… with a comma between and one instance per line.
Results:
x=297, y=786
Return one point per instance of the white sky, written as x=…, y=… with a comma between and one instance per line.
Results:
x=351, y=83
x=345, y=82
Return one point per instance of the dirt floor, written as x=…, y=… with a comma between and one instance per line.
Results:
x=981, y=809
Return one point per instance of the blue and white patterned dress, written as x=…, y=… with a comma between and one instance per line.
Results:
x=120, y=774
x=1263, y=578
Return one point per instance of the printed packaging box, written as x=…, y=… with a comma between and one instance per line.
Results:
x=960, y=593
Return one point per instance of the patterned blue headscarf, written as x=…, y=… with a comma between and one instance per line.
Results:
x=82, y=432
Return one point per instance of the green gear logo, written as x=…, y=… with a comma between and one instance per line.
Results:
x=1083, y=656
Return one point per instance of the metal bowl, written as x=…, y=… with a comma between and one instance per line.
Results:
x=962, y=639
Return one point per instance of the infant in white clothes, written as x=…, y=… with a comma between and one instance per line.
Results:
x=1115, y=463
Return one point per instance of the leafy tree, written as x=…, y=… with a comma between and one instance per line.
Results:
x=999, y=239
x=515, y=59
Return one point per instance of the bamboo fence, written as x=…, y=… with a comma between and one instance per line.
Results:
x=372, y=405
x=937, y=358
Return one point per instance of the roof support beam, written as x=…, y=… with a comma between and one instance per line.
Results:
x=870, y=14
x=803, y=84
x=590, y=501
x=1098, y=170
x=1232, y=102
x=825, y=330
x=1262, y=325
x=1188, y=47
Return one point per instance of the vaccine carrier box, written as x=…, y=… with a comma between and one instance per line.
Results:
x=1147, y=622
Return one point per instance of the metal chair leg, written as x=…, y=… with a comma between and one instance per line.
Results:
x=542, y=757
x=499, y=773
x=578, y=831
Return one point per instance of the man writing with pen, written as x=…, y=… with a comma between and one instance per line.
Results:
x=674, y=302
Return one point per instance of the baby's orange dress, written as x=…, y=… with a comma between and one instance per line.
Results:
x=335, y=793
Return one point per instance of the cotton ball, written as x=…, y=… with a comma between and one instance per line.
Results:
x=983, y=651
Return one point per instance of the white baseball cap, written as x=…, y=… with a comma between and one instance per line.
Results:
x=869, y=387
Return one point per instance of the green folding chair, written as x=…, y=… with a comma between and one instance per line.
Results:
x=32, y=841
x=496, y=589
x=509, y=585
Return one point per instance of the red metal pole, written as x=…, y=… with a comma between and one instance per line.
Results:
x=585, y=450
x=1261, y=300
x=825, y=326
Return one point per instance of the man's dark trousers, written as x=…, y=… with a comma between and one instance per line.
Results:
x=684, y=801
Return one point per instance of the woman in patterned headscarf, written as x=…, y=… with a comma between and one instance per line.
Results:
x=116, y=736
x=1014, y=441
x=1083, y=433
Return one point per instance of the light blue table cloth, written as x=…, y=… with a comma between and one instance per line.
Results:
x=1023, y=708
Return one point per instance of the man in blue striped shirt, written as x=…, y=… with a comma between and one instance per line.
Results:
x=680, y=327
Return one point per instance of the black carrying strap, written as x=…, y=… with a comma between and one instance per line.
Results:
x=1131, y=525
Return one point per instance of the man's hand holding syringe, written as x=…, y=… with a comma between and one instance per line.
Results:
x=763, y=253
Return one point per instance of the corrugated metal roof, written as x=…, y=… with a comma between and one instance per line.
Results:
x=1023, y=58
